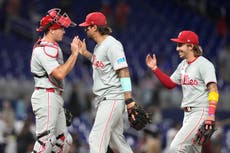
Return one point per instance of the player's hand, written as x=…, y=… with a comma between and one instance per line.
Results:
x=151, y=62
x=204, y=132
x=137, y=116
x=208, y=122
x=129, y=106
x=83, y=49
x=75, y=45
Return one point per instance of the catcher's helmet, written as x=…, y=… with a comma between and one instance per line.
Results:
x=55, y=20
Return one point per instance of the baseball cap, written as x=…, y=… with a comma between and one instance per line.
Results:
x=94, y=18
x=186, y=36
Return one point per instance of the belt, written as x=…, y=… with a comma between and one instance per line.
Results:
x=50, y=90
x=187, y=109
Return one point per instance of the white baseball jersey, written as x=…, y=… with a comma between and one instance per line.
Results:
x=107, y=58
x=44, y=60
x=108, y=126
x=47, y=104
x=193, y=77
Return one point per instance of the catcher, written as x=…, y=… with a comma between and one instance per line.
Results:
x=196, y=75
x=49, y=72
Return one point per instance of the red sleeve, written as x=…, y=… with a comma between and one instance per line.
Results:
x=164, y=79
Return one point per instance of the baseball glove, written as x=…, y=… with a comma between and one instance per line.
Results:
x=68, y=116
x=137, y=117
x=205, y=132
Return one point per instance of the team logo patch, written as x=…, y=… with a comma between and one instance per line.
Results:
x=121, y=60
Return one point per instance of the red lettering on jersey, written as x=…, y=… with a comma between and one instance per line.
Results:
x=187, y=81
x=97, y=64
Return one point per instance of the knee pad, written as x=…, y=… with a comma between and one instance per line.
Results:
x=45, y=143
x=49, y=144
x=63, y=143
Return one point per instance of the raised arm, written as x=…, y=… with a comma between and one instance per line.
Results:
x=83, y=50
x=151, y=62
x=61, y=71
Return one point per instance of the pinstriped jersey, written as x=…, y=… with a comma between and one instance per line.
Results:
x=45, y=58
x=194, y=77
x=108, y=57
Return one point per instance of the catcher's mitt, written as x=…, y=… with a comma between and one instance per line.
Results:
x=138, y=118
x=205, y=132
x=68, y=116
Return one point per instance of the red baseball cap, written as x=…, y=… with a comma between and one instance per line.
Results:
x=94, y=18
x=187, y=37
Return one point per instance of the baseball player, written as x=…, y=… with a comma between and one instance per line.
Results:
x=197, y=77
x=111, y=85
x=49, y=70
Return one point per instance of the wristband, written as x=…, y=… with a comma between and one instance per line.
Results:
x=213, y=96
x=212, y=108
x=211, y=111
x=128, y=101
x=126, y=84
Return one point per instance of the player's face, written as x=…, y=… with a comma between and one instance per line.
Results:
x=89, y=30
x=58, y=34
x=184, y=50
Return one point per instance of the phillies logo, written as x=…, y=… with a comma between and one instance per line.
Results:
x=187, y=81
x=97, y=64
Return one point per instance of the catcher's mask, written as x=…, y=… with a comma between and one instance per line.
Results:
x=55, y=20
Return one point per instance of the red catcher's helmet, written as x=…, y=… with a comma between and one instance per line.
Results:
x=55, y=20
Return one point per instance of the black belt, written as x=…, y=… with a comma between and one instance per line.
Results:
x=40, y=76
